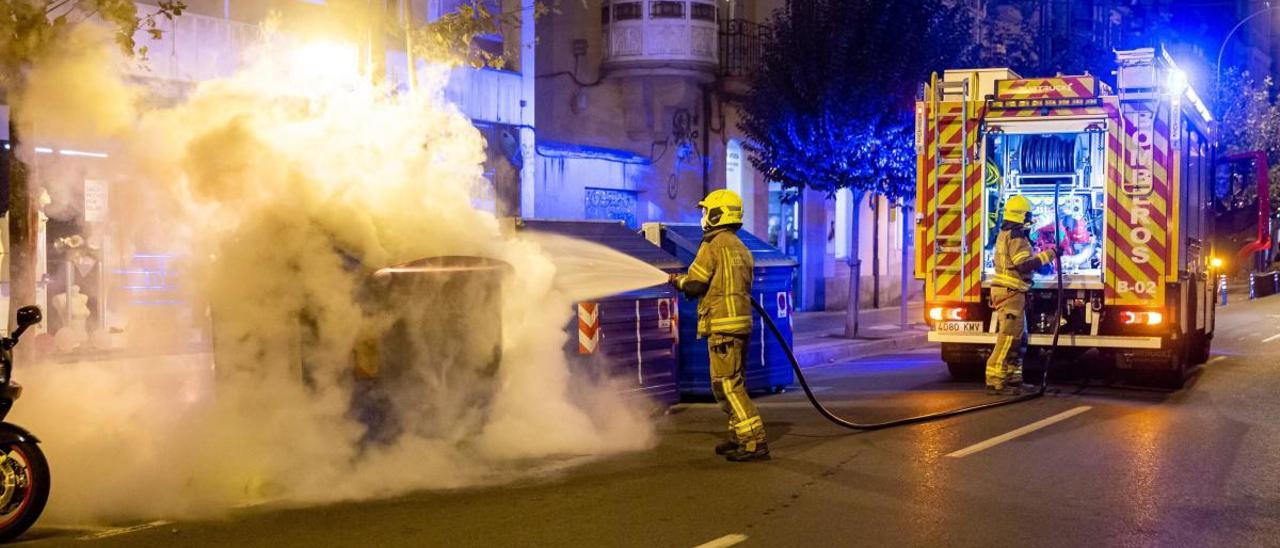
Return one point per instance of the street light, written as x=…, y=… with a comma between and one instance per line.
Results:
x=1218, y=77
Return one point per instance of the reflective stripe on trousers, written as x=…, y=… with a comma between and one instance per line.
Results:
x=1004, y=366
x=728, y=356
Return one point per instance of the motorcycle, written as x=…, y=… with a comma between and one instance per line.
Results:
x=24, y=472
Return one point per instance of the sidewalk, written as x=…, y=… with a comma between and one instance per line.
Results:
x=819, y=335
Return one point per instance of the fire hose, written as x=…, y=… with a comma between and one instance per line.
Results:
x=929, y=417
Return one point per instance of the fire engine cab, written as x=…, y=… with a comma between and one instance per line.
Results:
x=1120, y=180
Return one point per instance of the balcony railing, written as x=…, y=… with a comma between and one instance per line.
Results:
x=740, y=52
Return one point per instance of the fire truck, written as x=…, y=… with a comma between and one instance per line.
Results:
x=1120, y=180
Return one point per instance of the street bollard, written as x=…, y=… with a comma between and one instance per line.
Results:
x=1222, y=288
x=1252, y=293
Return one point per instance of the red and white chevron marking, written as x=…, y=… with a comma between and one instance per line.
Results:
x=588, y=328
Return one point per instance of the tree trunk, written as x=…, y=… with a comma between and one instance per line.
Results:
x=875, y=251
x=22, y=229
x=855, y=268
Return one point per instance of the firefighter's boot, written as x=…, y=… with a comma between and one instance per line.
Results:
x=724, y=448
x=749, y=452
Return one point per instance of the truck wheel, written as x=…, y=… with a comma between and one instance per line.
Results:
x=966, y=371
x=1175, y=377
x=1200, y=351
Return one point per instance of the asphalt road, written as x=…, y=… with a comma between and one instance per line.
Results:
x=1107, y=466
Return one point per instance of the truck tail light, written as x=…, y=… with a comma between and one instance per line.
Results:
x=947, y=313
x=1141, y=317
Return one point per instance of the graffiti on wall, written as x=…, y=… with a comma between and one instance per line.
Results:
x=611, y=204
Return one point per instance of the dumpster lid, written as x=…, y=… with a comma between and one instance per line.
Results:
x=612, y=234
x=448, y=263
x=689, y=236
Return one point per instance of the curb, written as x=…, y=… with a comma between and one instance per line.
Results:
x=817, y=355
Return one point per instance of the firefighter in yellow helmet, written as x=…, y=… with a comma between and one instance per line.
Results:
x=1014, y=265
x=721, y=276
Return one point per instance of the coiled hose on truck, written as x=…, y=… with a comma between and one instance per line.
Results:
x=929, y=417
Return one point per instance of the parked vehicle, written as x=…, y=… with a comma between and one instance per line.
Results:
x=24, y=472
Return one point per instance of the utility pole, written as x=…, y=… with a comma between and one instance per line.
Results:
x=22, y=226
x=406, y=19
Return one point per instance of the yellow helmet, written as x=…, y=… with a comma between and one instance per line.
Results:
x=721, y=208
x=1017, y=209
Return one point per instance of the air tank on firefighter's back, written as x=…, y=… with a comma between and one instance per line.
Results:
x=430, y=363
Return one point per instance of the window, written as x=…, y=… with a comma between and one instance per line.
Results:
x=627, y=10
x=736, y=177
x=666, y=10
x=702, y=12
x=604, y=15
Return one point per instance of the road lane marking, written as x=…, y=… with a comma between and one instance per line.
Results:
x=1271, y=338
x=724, y=542
x=125, y=530
x=1217, y=359
x=1019, y=432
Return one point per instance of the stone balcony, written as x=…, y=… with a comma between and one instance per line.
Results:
x=661, y=37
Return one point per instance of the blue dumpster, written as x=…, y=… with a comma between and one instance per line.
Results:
x=767, y=365
x=630, y=335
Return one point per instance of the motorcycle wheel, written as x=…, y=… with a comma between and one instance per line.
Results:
x=28, y=468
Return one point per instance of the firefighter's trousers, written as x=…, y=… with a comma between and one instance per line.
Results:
x=728, y=355
x=1004, y=366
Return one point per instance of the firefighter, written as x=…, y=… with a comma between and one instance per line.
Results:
x=1014, y=263
x=721, y=276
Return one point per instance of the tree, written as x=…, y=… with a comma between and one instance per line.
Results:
x=1250, y=119
x=831, y=106
x=30, y=28
x=1008, y=38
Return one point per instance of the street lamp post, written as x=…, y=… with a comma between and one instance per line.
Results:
x=1217, y=79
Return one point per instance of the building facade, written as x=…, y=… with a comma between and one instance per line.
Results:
x=638, y=113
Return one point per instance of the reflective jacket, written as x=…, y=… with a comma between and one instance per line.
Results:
x=1014, y=261
x=721, y=275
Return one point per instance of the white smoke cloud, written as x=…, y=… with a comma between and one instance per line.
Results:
x=287, y=186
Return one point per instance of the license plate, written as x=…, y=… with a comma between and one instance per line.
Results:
x=961, y=327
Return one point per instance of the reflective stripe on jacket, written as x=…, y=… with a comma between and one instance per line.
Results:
x=727, y=268
x=1014, y=262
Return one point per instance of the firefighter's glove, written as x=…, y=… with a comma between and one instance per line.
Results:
x=1047, y=256
x=674, y=280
